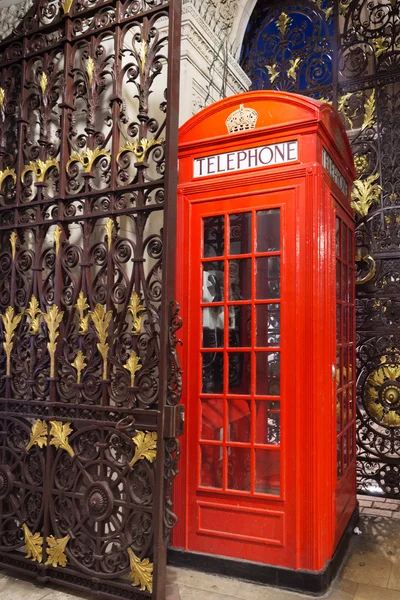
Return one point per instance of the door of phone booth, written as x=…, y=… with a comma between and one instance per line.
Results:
x=265, y=263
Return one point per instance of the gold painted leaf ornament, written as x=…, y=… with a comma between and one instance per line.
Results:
x=10, y=323
x=56, y=551
x=33, y=544
x=146, y=446
x=365, y=193
x=101, y=319
x=38, y=435
x=141, y=572
x=60, y=432
x=133, y=365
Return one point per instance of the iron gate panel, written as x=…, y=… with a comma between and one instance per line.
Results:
x=346, y=52
x=90, y=380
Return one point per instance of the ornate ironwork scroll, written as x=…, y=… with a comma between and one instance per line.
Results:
x=348, y=53
x=88, y=155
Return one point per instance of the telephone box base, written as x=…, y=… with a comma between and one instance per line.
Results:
x=297, y=581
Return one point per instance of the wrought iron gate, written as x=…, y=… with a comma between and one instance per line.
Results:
x=347, y=52
x=90, y=381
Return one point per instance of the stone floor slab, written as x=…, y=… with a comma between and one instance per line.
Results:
x=372, y=592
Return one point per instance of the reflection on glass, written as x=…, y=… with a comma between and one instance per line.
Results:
x=211, y=466
x=239, y=420
x=268, y=373
x=239, y=469
x=351, y=285
x=240, y=326
x=212, y=419
x=345, y=363
x=268, y=325
x=239, y=372
x=268, y=230
x=213, y=372
x=240, y=233
x=345, y=407
x=339, y=458
x=338, y=368
x=268, y=422
x=338, y=324
x=351, y=402
x=213, y=327
x=240, y=276
x=339, y=412
x=213, y=281
x=213, y=232
x=268, y=284
x=350, y=245
x=337, y=236
x=345, y=286
x=268, y=472
x=345, y=463
x=344, y=241
x=351, y=443
x=338, y=279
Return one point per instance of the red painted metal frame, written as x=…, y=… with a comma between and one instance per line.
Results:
x=310, y=496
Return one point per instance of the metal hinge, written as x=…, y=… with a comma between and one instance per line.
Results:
x=174, y=420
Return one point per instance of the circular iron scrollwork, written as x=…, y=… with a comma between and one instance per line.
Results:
x=389, y=479
x=6, y=482
x=99, y=501
x=382, y=395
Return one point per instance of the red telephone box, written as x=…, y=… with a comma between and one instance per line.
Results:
x=265, y=263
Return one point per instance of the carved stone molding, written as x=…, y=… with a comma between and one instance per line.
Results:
x=218, y=14
x=11, y=16
x=214, y=71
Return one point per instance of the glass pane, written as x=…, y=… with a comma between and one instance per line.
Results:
x=213, y=372
x=338, y=324
x=268, y=277
x=339, y=458
x=351, y=443
x=345, y=365
x=337, y=236
x=239, y=420
x=338, y=367
x=213, y=327
x=240, y=276
x=345, y=407
x=211, y=466
x=345, y=284
x=239, y=372
x=345, y=461
x=268, y=422
x=350, y=245
x=213, y=281
x=351, y=359
x=268, y=230
x=268, y=471
x=339, y=412
x=239, y=326
x=344, y=241
x=351, y=402
x=345, y=325
x=239, y=469
x=240, y=233
x=351, y=285
x=268, y=321
x=268, y=373
x=338, y=280
x=212, y=419
x=213, y=231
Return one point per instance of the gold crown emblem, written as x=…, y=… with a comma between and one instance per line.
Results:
x=242, y=119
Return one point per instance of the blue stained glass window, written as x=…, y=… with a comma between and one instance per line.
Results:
x=291, y=48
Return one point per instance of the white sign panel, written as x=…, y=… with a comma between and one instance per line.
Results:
x=240, y=160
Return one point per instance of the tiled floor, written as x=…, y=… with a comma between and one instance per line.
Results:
x=371, y=572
